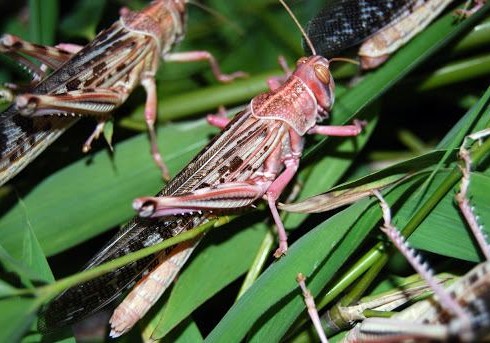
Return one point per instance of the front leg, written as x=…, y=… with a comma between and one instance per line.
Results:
x=340, y=131
x=273, y=193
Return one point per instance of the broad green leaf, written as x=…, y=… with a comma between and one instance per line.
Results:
x=187, y=332
x=11, y=264
x=94, y=194
x=84, y=19
x=276, y=291
x=44, y=19
x=6, y=290
x=16, y=317
x=34, y=257
x=215, y=266
x=64, y=211
x=445, y=232
x=319, y=253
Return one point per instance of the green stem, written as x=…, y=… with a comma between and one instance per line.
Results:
x=377, y=314
x=258, y=263
x=358, y=290
x=48, y=291
x=375, y=254
x=360, y=267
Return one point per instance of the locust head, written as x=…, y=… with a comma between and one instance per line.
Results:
x=314, y=71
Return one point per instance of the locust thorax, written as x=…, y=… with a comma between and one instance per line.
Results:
x=315, y=73
x=164, y=20
x=171, y=18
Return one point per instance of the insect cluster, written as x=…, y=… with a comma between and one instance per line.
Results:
x=289, y=152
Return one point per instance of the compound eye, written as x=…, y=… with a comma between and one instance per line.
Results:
x=301, y=60
x=322, y=73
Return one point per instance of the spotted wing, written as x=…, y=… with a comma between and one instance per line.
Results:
x=235, y=154
x=101, y=63
x=342, y=24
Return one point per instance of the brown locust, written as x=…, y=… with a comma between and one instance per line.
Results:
x=381, y=26
x=254, y=157
x=91, y=81
x=460, y=312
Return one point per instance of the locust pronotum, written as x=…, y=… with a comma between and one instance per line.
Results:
x=92, y=81
x=255, y=156
x=464, y=310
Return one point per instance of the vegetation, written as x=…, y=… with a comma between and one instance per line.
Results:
x=419, y=107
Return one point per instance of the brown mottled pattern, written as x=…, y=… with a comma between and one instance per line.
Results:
x=344, y=23
x=87, y=298
x=22, y=139
x=472, y=292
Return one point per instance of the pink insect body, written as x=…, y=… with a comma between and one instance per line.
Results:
x=277, y=121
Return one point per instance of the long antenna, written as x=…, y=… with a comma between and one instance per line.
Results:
x=343, y=59
x=216, y=14
x=307, y=39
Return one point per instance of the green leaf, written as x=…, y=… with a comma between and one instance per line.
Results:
x=445, y=232
x=44, y=19
x=12, y=264
x=64, y=211
x=16, y=317
x=187, y=332
x=34, y=257
x=84, y=19
x=270, y=306
x=6, y=289
x=94, y=194
x=215, y=266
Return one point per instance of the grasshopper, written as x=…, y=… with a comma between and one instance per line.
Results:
x=255, y=156
x=376, y=50
x=463, y=312
x=381, y=26
x=92, y=81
